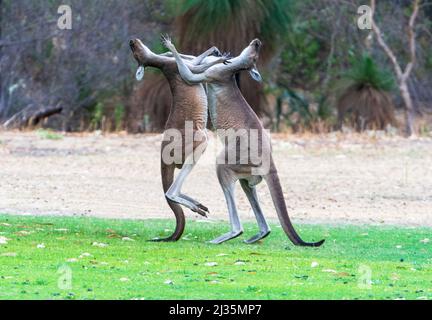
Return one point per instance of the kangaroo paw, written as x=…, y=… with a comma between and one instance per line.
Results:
x=226, y=237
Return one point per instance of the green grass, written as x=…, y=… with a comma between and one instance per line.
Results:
x=49, y=134
x=274, y=269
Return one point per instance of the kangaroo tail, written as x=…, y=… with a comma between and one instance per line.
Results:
x=274, y=185
x=167, y=172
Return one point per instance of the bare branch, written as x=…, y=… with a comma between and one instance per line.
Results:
x=402, y=77
x=31, y=116
x=411, y=38
x=383, y=44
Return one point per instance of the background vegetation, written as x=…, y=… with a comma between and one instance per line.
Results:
x=311, y=61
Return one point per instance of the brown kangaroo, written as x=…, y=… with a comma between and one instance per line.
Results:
x=230, y=111
x=189, y=106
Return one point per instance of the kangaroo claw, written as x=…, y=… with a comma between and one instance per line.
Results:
x=203, y=207
x=199, y=211
x=166, y=41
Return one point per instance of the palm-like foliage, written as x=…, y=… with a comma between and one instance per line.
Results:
x=366, y=102
x=366, y=73
x=231, y=24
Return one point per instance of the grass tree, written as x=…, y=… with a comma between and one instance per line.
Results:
x=366, y=102
x=231, y=25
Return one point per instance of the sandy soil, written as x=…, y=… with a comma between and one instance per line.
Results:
x=334, y=178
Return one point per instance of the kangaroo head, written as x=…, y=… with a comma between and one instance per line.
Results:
x=139, y=51
x=142, y=55
x=249, y=57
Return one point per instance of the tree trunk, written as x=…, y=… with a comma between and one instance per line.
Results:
x=409, y=108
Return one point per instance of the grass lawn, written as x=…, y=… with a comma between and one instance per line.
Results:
x=82, y=258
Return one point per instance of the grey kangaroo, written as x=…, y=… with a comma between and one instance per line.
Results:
x=189, y=105
x=229, y=110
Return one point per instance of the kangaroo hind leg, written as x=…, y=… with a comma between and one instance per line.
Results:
x=227, y=181
x=264, y=229
x=174, y=192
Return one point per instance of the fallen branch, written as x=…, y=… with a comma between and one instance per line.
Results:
x=31, y=116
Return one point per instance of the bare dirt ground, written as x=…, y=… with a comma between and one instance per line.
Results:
x=335, y=178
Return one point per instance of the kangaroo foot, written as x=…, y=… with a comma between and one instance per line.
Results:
x=200, y=211
x=203, y=207
x=258, y=237
x=199, y=205
x=188, y=204
x=226, y=237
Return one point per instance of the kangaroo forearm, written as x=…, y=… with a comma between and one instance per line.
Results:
x=203, y=67
x=203, y=55
x=184, y=71
x=183, y=56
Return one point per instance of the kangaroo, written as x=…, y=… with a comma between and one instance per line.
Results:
x=229, y=110
x=189, y=105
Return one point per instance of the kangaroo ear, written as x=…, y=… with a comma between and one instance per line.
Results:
x=139, y=73
x=254, y=73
